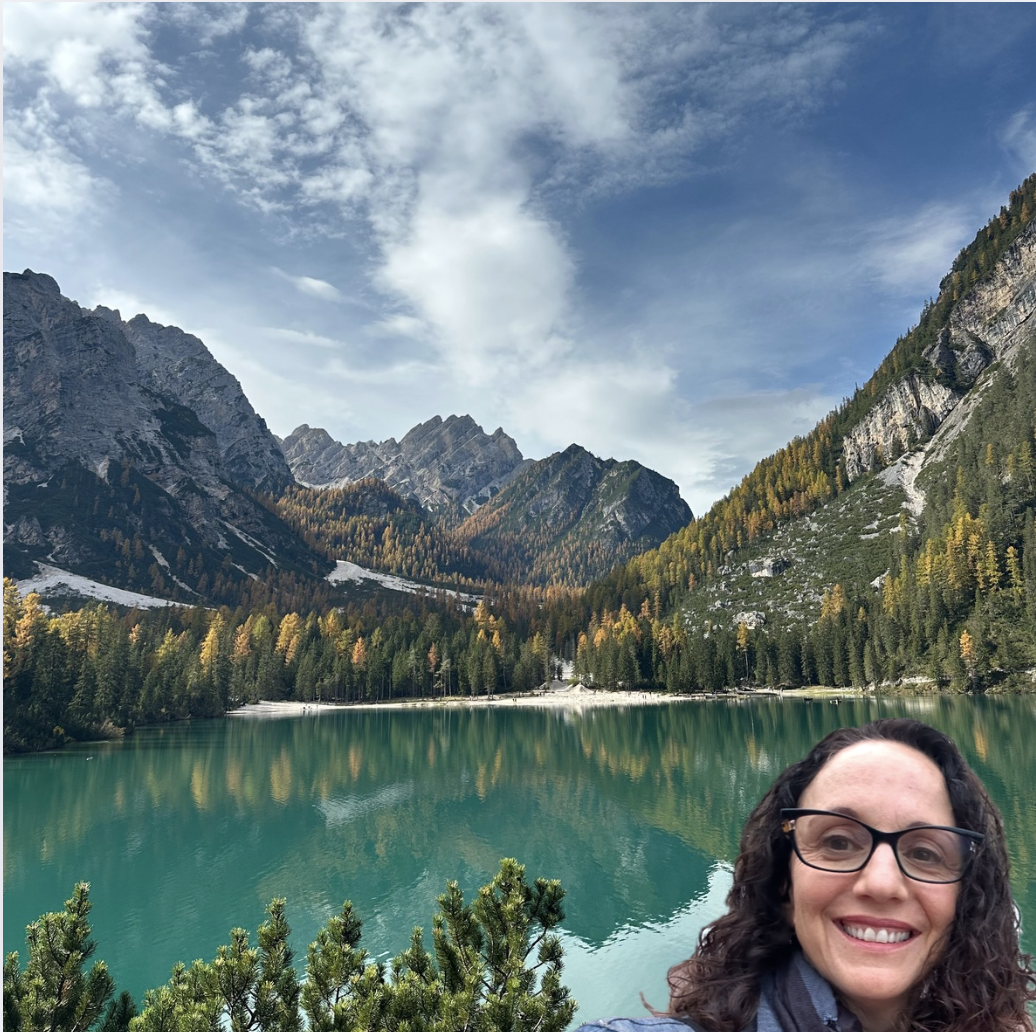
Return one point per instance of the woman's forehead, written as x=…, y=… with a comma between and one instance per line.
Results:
x=886, y=781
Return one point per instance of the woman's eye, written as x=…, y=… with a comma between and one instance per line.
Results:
x=839, y=844
x=924, y=855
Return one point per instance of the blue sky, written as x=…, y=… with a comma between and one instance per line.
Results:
x=673, y=233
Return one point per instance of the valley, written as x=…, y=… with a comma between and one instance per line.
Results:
x=894, y=544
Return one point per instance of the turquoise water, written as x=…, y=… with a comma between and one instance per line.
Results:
x=185, y=832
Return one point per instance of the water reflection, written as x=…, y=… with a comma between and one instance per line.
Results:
x=637, y=810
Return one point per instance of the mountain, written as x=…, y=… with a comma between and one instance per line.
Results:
x=891, y=548
x=562, y=520
x=179, y=365
x=572, y=516
x=131, y=455
x=449, y=464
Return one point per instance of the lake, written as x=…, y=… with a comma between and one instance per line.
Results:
x=187, y=831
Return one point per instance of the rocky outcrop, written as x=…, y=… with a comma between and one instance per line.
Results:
x=106, y=467
x=999, y=309
x=905, y=416
x=440, y=463
x=985, y=326
x=768, y=566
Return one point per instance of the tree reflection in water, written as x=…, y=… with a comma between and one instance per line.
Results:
x=636, y=810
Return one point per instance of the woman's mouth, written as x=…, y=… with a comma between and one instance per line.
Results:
x=866, y=933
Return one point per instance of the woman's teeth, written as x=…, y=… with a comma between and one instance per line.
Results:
x=875, y=934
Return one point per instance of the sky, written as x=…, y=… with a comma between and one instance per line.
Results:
x=674, y=233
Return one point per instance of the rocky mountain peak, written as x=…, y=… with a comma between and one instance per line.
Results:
x=442, y=463
x=574, y=516
x=136, y=421
x=38, y=281
x=179, y=365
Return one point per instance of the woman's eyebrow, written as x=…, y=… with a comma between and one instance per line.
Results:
x=849, y=811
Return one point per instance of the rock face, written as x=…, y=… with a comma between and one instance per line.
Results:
x=103, y=445
x=907, y=414
x=441, y=463
x=987, y=325
x=179, y=365
x=579, y=514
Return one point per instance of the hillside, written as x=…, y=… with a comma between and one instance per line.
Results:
x=573, y=516
x=134, y=460
x=893, y=547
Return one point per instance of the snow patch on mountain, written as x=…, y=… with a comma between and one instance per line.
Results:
x=345, y=572
x=53, y=583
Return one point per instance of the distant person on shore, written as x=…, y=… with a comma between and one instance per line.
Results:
x=871, y=894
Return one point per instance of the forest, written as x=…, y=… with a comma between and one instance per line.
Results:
x=957, y=606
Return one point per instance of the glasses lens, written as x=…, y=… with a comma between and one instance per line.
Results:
x=832, y=842
x=931, y=854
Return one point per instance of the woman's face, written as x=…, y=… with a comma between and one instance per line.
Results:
x=889, y=786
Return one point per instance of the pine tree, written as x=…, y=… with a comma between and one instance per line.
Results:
x=56, y=993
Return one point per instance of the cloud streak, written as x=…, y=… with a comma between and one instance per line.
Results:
x=312, y=286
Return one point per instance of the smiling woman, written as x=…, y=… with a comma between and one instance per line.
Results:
x=871, y=894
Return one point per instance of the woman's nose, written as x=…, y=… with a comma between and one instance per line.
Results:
x=882, y=876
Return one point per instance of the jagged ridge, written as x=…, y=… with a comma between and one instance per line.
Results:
x=449, y=464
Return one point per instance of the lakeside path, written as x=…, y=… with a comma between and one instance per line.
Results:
x=575, y=697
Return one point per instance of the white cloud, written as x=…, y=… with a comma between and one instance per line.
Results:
x=447, y=143
x=910, y=255
x=490, y=281
x=93, y=53
x=42, y=176
x=406, y=326
x=312, y=286
x=305, y=338
x=209, y=22
x=1019, y=137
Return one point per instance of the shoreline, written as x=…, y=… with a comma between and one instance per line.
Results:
x=575, y=697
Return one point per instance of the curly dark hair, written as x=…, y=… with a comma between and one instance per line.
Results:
x=982, y=981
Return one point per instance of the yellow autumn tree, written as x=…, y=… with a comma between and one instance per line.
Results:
x=288, y=636
x=210, y=646
x=359, y=656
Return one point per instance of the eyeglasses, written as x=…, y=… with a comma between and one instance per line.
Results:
x=837, y=843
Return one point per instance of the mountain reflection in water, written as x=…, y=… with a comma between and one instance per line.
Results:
x=187, y=831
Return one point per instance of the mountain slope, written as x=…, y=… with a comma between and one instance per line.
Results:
x=809, y=472
x=897, y=538
x=562, y=521
x=179, y=365
x=108, y=474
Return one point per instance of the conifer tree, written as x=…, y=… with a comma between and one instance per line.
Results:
x=56, y=993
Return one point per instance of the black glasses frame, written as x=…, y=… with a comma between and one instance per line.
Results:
x=971, y=838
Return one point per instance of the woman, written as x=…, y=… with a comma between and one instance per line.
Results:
x=871, y=894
